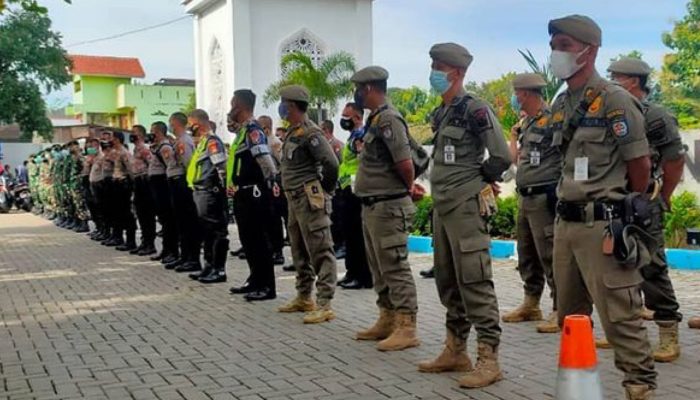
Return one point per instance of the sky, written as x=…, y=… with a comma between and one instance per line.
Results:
x=404, y=30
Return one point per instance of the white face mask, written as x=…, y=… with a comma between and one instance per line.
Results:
x=564, y=64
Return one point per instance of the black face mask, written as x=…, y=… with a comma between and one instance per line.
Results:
x=132, y=138
x=149, y=138
x=106, y=144
x=347, y=124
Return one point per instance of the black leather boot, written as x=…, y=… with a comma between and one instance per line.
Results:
x=130, y=241
x=218, y=273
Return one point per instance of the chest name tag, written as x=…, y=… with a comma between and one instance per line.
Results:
x=535, y=158
x=449, y=152
x=581, y=169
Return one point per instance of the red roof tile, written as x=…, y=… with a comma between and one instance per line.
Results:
x=107, y=66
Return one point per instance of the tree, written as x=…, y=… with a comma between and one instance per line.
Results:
x=328, y=82
x=553, y=83
x=414, y=103
x=497, y=93
x=191, y=104
x=680, y=75
x=26, y=5
x=31, y=58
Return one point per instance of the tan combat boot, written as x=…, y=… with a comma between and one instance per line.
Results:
x=298, y=304
x=528, y=311
x=381, y=329
x=487, y=370
x=403, y=336
x=453, y=357
x=638, y=392
x=322, y=314
x=550, y=325
x=694, y=323
x=603, y=343
x=668, y=349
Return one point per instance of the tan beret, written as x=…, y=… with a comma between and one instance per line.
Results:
x=528, y=81
x=579, y=27
x=370, y=74
x=630, y=66
x=295, y=93
x=451, y=54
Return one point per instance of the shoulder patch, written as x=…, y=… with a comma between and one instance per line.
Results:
x=255, y=136
x=165, y=152
x=298, y=132
x=482, y=119
x=542, y=121
x=558, y=116
x=213, y=147
x=180, y=148
x=314, y=142
x=619, y=127
x=595, y=106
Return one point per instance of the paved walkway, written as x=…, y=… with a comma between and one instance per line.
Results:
x=83, y=321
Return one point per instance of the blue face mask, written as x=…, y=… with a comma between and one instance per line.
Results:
x=439, y=81
x=515, y=104
x=283, y=111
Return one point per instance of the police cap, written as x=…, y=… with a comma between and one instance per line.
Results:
x=370, y=74
x=451, y=54
x=580, y=27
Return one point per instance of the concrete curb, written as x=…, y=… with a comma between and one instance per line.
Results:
x=677, y=258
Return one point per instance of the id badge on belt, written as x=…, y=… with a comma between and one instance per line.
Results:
x=449, y=152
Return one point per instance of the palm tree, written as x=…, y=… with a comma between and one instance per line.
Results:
x=328, y=82
x=553, y=83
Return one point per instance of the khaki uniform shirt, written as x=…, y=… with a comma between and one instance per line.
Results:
x=663, y=136
x=122, y=163
x=139, y=163
x=539, y=163
x=107, y=163
x=306, y=156
x=463, y=131
x=595, y=154
x=157, y=164
x=96, y=174
x=385, y=145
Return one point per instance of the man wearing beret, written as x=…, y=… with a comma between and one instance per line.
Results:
x=463, y=196
x=383, y=182
x=309, y=173
x=539, y=169
x=600, y=130
x=667, y=169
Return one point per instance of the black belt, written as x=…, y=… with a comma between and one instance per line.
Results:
x=214, y=189
x=576, y=212
x=372, y=200
x=535, y=190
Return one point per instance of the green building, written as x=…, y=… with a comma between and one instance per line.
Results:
x=105, y=93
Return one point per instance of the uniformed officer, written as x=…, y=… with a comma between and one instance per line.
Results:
x=463, y=197
x=96, y=184
x=539, y=169
x=279, y=203
x=600, y=128
x=309, y=173
x=251, y=181
x=667, y=163
x=160, y=193
x=143, y=201
x=383, y=183
x=206, y=175
x=107, y=188
x=358, y=274
x=123, y=188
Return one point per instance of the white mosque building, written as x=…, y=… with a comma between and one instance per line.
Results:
x=239, y=43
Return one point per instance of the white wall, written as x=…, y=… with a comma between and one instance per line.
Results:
x=252, y=32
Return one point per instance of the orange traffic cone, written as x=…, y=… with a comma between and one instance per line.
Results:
x=578, y=377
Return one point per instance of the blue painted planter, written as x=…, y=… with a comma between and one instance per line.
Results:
x=677, y=258
x=499, y=248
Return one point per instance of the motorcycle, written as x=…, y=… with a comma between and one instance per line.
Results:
x=6, y=199
x=22, y=197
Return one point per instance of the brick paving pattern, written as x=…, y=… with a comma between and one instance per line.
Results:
x=80, y=321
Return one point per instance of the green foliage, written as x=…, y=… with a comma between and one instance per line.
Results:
x=680, y=76
x=414, y=103
x=503, y=223
x=327, y=82
x=684, y=214
x=422, y=222
x=497, y=93
x=636, y=54
x=26, y=5
x=553, y=83
x=31, y=57
x=191, y=104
